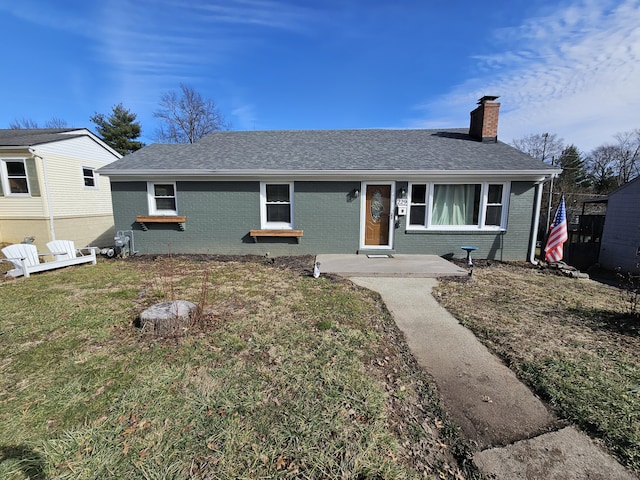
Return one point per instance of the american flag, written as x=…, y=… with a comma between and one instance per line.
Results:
x=557, y=236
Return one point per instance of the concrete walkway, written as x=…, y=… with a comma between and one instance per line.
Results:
x=518, y=438
x=427, y=266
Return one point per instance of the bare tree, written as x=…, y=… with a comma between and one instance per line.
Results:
x=600, y=164
x=28, y=123
x=614, y=164
x=187, y=117
x=546, y=147
x=23, y=123
x=543, y=146
x=628, y=161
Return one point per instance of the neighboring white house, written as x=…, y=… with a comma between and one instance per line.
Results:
x=49, y=187
x=620, y=247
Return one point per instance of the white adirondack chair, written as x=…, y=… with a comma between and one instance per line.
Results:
x=23, y=257
x=66, y=250
x=26, y=260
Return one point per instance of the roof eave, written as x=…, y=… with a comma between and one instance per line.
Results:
x=74, y=133
x=148, y=174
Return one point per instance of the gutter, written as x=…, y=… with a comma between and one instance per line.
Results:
x=46, y=186
x=536, y=221
x=400, y=175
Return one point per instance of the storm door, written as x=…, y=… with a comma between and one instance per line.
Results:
x=377, y=216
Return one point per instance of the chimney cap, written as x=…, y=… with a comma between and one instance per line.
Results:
x=487, y=98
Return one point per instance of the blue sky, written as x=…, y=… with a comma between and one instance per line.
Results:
x=569, y=67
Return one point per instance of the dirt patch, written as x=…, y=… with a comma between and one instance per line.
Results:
x=300, y=263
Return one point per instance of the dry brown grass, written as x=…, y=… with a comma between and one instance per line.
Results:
x=571, y=340
x=285, y=376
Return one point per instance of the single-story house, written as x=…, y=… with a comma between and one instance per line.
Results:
x=50, y=189
x=620, y=244
x=334, y=191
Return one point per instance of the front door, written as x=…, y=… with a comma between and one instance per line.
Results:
x=377, y=216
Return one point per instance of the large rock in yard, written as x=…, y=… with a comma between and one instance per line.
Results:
x=167, y=317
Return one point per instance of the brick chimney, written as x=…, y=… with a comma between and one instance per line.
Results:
x=484, y=120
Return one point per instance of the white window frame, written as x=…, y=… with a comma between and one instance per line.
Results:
x=483, y=211
x=482, y=214
x=264, y=224
x=4, y=177
x=151, y=196
x=94, y=177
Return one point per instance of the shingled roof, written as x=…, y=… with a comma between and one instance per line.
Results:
x=321, y=151
x=36, y=136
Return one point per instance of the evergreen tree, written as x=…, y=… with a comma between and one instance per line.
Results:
x=574, y=177
x=573, y=182
x=119, y=130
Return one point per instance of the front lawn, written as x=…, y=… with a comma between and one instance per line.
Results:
x=283, y=376
x=571, y=340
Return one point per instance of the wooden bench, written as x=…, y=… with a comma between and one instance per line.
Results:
x=143, y=220
x=275, y=233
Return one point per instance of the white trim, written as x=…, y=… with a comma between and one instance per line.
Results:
x=79, y=132
x=94, y=176
x=264, y=224
x=363, y=215
x=52, y=229
x=479, y=227
x=536, y=222
x=151, y=198
x=4, y=177
x=320, y=175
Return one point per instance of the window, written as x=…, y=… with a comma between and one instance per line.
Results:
x=276, y=205
x=457, y=206
x=89, y=176
x=418, y=213
x=494, y=205
x=162, y=198
x=14, y=177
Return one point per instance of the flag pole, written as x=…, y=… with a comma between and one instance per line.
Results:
x=558, y=235
x=550, y=198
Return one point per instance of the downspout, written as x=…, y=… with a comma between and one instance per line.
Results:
x=536, y=221
x=46, y=186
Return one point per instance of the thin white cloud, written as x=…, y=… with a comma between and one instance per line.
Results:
x=260, y=13
x=244, y=117
x=155, y=45
x=574, y=72
x=50, y=15
x=150, y=46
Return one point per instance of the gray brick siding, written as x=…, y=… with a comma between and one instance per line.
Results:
x=220, y=215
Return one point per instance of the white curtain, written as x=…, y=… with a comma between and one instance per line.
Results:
x=454, y=205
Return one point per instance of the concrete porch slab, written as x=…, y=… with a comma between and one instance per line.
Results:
x=425, y=266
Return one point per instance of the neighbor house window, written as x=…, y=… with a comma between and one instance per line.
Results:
x=89, y=176
x=14, y=177
x=162, y=198
x=457, y=206
x=276, y=205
